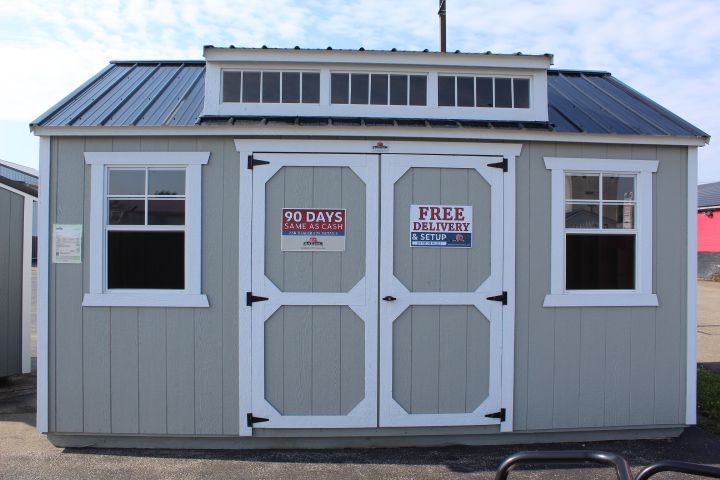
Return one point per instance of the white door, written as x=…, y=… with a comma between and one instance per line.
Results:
x=440, y=335
x=314, y=340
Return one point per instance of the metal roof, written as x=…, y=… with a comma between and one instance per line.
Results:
x=709, y=195
x=170, y=93
x=19, y=177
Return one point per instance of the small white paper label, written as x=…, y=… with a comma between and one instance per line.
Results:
x=67, y=243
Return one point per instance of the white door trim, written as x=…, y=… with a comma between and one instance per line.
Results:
x=362, y=298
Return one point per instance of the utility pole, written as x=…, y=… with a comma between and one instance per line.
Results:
x=441, y=13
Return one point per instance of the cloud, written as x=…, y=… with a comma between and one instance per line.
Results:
x=667, y=49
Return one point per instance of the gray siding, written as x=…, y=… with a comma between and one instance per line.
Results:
x=175, y=371
x=600, y=367
x=11, y=279
x=146, y=370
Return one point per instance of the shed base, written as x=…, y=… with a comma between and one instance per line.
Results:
x=64, y=440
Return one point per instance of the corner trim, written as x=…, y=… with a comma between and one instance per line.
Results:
x=691, y=375
x=43, y=287
x=27, y=285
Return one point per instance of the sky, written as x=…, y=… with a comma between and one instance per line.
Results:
x=667, y=49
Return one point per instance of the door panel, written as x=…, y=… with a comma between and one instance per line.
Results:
x=315, y=338
x=440, y=339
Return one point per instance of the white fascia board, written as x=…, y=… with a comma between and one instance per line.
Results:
x=246, y=55
x=372, y=132
x=16, y=191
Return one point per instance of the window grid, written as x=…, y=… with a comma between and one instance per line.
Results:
x=408, y=92
x=601, y=202
x=474, y=91
x=260, y=97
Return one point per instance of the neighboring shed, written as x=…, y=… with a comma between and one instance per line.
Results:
x=709, y=231
x=323, y=248
x=17, y=201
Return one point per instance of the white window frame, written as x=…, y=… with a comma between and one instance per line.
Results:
x=642, y=294
x=191, y=295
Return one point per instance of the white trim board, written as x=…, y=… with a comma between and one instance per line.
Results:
x=27, y=285
x=373, y=132
x=43, y=291
x=691, y=373
x=18, y=192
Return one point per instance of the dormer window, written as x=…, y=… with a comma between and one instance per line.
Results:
x=487, y=92
x=270, y=87
x=378, y=89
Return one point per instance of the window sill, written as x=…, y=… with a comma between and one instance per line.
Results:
x=186, y=300
x=601, y=300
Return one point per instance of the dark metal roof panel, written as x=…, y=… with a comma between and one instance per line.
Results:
x=170, y=93
x=709, y=195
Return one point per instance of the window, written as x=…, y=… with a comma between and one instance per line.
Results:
x=270, y=87
x=145, y=224
x=601, y=245
x=488, y=92
x=378, y=89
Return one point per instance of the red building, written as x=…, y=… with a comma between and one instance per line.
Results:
x=709, y=231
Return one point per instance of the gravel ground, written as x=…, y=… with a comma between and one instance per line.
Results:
x=26, y=454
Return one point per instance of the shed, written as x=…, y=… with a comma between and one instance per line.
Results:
x=709, y=231
x=321, y=248
x=18, y=196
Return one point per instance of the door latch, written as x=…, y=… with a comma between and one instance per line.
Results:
x=389, y=298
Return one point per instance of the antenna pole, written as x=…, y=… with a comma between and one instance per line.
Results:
x=441, y=13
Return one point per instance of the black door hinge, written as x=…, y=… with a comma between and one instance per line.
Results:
x=503, y=165
x=499, y=298
x=253, y=162
x=500, y=415
x=250, y=299
x=251, y=420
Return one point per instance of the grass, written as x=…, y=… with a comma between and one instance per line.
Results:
x=708, y=400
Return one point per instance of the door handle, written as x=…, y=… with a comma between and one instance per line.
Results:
x=389, y=298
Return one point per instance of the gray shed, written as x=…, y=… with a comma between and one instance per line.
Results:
x=18, y=195
x=318, y=248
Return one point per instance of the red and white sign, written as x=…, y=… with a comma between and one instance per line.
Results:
x=441, y=226
x=314, y=229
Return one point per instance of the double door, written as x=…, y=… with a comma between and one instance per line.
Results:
x=376, y=270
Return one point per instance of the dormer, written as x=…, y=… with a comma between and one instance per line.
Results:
x=375, y=84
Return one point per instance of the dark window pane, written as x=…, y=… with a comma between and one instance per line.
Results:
x=166, y=182
x=619, y=216
x=503, y=94
x=418, y=90
x=379, y=89
x=398, y=89
x=339, y=85
x=521, y=90
x=600, y=262
x=126, y=212
x=126, y=182
x=166, y=212
x=291, y=87
x=446, y=91
x=465, y=91
x=484, y=92
x=359, y=88
x=618, y=188
x=310, y=87
x=582, y=216
x=231, y=86
x=271, y=87
x=582, y=187
x=146, y=260
x=251, y=87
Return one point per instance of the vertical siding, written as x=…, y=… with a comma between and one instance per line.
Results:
x=11, y=281
x=600, y=367
x=146, y=370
